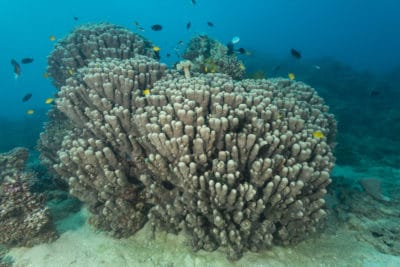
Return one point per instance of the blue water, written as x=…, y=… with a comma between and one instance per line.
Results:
x=362, y=34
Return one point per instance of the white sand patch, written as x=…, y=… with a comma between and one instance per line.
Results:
x=85, y=247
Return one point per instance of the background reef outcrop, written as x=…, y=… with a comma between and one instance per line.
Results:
x=236, y=164
x=210, y=56
x=24, y=219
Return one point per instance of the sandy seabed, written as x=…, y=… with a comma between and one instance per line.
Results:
x=81, y=245
x=86, y=247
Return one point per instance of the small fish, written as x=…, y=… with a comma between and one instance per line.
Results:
x=295, y=53
x=168, y=55
x=49, y=100
x=242, y=66
x=230, y=47
x=243, y=51
x=146, y=92
x=26, y=97
x=46, y=75
x=318, y=134
x=180, y=42
x=194, y=2
x=291, y=76
x=188, y=25
x=156, y=27
x=235, y=40
x=317, y=67
x=138, y=27
x=52, y=38
x=30, y=111
x=210, y=24
x=17, y=68
x=26, y=60
x=70, y=72
x=156, y=49
x=276, y=68
x=76, y=18
x=375, y=93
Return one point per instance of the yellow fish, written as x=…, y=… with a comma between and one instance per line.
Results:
x=46, y=75
x=30, y=111
x=71, y=72
x=146, y=91
x=242, y=67
x=52, y=38
x=318, y=134
x=291, y=76
x=49, y=100
x=156, y=49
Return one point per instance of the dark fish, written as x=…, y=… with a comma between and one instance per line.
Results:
x=188, y=25
x=76, y=18
x=375, y=93
x=230, y=49
x=194, y=2
x=275, y=70
x=26, y=97
x=241, y=50
x=17, y=68
x=168, y=55
x=210, y=24
x=180, y=42
x=295, y=53
x=156, y=27
x=26, y=60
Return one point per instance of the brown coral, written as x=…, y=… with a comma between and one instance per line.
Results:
x=233, y=163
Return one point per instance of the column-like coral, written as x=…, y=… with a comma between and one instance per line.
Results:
x=238, y=165
x=100, y=159
x=90, y=42
x=86, y=43
x=24, y=220
x=239, y=160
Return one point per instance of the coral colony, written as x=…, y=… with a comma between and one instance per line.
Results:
x=231, y=162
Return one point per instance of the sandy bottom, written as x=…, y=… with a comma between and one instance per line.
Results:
x=80, y=245
x=85, y=247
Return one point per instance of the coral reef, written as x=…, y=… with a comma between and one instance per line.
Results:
x=100, y=158
x=24, y=220
x=84, y=44
x=210, y=56
x=234, y=164
x=93, y=41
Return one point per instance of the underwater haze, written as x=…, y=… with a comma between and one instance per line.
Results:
x=363, y=34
